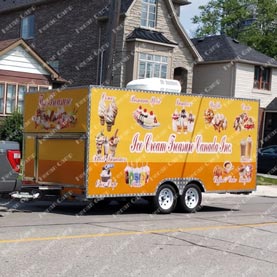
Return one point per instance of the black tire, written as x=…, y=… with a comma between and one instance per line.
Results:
x=165, y=199
x=191, y=198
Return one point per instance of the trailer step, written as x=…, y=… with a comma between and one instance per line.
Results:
x=25, y=195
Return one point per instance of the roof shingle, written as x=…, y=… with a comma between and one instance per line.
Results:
x=140, y=33
x=272, y=106
x=224, y=48
x=6, y=43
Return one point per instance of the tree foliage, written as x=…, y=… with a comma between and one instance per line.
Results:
x=11, y=128
x=252, y=22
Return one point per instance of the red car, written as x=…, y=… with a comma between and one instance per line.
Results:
x=9, y=166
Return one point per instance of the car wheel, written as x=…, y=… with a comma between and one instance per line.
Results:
x=165, y=199
x=191, y=198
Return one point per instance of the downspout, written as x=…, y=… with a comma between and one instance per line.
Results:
x=99, y=72
x=233, y=80
x=263, y=127
x=114, y=17
x=101, y=67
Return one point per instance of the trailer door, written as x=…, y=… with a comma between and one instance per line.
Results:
x=56, y=160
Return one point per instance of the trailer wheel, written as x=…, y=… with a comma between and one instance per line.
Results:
x=165, y=199
x=191, y=198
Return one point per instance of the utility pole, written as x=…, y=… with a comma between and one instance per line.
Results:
x=114, y=16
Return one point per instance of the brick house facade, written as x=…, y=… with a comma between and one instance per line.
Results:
x=74, y=37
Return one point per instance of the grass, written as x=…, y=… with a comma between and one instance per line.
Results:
x=266, y=181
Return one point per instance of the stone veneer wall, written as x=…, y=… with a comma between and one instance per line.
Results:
x=181, y=57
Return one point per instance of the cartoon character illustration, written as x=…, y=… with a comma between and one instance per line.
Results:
x=105, y=180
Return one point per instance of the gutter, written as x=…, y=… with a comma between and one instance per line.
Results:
x=152, y=41
x=238, y=61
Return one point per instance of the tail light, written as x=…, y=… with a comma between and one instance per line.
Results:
x=14, y=159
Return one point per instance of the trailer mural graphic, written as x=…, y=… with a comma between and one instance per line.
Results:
x=163, y=136
x=99, y=142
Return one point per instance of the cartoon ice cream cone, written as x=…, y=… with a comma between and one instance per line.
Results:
x=102, y=110
x=109, y=119
x=114, y=109
x=113, y=142
x=100, y=138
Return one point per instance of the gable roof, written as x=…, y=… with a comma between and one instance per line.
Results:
x=7, y=45
x=223, y=48
x=272, y=106
x=145, y=34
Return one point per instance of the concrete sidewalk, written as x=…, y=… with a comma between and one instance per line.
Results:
x=262, y=191
x=269, y=191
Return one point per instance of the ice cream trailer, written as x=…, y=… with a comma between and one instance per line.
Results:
x=99, y=142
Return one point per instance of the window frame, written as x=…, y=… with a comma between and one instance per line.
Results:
x=27, y=28
x=43, y=88
x=33, y=88
x=2, y=112
x=262, y=82
x=13, y=99
x=146, y=4
x=150, y=61
x=19, y=100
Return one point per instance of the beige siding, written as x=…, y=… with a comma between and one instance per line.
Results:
x=274, y=82
x=19, y=60
x=213, y=79
x=181, y=55
x=244, y=85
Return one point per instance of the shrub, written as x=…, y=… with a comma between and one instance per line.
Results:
x=11, y=128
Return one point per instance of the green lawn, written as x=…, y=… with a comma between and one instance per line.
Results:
x=266, y=181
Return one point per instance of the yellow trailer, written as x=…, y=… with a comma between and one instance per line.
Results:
x=98, y=142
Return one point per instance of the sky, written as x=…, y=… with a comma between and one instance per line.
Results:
x=187, y=12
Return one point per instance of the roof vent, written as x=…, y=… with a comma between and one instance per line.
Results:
x=235, y=40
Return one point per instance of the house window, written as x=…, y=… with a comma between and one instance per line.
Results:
x=42, y=88
x=262, y=78
x=33, y=88
x=2, y=92
x=11, y=98
x=28, y=27
x=152, y=66
x=148, y=13
x=20, y=97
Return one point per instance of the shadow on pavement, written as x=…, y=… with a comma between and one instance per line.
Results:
x=85, y=209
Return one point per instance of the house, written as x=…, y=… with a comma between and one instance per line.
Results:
x=21, y=70
x=105, y=42
x=232, y=69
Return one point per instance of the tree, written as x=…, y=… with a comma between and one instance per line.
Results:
x=11, y=128
x=252, y=22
